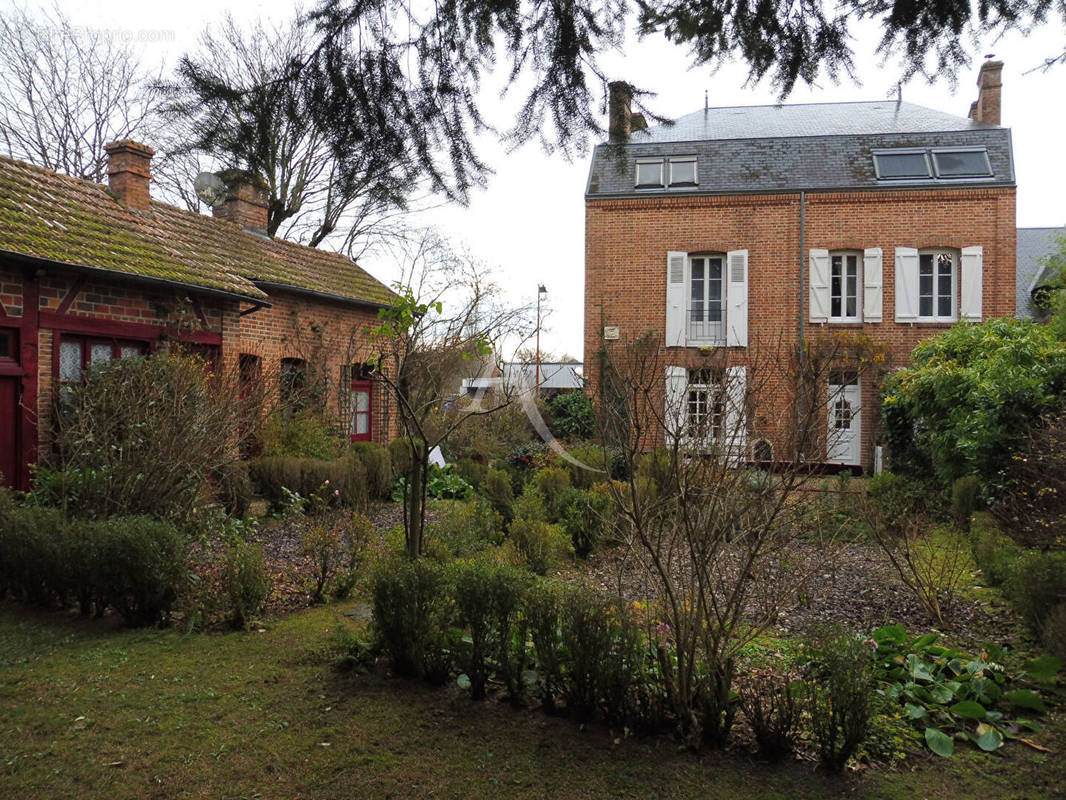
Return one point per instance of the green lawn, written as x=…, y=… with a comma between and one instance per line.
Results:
x=90, y=711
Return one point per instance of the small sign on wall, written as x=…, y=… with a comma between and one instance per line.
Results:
x=610, y=332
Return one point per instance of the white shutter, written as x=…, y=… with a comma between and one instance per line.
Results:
x=735, y=417
x=972, y=283
x=676, y=289
x=819, y=284
x=736, y=319
x=872, y=291
x=906, y=284
x=676, y=391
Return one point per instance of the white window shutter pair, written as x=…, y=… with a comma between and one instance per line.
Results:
x=735, y=422
x=871, y=284
x=972, y=283
x=677, y=290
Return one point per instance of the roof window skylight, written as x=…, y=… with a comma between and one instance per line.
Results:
x=901, y=165
x=962, y=163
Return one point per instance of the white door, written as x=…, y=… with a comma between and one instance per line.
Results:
x=845, y=421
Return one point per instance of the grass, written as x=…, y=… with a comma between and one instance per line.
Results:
x=92, y=711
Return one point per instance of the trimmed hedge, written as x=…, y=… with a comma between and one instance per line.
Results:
x=135, y=565
x=347, y=479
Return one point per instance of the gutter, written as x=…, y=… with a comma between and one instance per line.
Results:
x=286, y=287
x=37, y=261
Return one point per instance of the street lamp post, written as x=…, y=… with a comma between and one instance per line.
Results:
x=541, y=292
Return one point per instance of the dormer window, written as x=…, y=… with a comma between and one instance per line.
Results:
x=676, y=172
x=683, y=172
x=650, y=173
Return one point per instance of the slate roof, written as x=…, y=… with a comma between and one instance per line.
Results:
x=1033, y=245
x=80, y=224
x=810, y=147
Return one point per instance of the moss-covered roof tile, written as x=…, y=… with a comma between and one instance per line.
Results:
x=71, y=221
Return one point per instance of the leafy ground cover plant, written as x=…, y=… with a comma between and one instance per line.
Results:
x=949, y=694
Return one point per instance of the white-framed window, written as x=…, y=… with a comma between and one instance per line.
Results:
x=845, y=287
x=705, y=404
x=937, y=276
x=699, y=286
x=706, y=298
x=683, y=172
x=650, y=173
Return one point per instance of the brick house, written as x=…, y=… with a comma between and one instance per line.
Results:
x=735, y=227
x=89, y=273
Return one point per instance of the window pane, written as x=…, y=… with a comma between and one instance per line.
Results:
x=5, y=345
x=99, y=353
x=649, y=174
x=925, y=306
x=901, y=165
x=362, y=401
x=362, y=424
x=696, y=291
x=683, y=172
x=69, y=361
x=972, y=164
x=944, y=306
x=129, y=351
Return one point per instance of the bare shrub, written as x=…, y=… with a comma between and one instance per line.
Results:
x=719, y=548
x=141, y=436
x=930, y=563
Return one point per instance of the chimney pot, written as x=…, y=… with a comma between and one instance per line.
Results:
x=129, y=172
x=989, y=93
x=246, y=201
x=620, y=111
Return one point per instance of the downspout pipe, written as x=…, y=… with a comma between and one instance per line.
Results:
x=802, y=305
x=802, y=270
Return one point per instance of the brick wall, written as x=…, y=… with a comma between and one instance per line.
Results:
x=626, y=242
x=294, y=327
x=327, y=334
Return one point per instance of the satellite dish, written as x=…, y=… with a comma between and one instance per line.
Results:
x=210, y=188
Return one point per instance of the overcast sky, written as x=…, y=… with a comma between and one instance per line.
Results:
x=529, y=222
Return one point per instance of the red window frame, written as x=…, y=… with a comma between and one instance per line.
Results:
x=87, y=343
x=361, y=386
x=9, y=353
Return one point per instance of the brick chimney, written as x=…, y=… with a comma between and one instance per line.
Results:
x=245, y=203
x=128, y=172
x=989, y=88
x=620, y=112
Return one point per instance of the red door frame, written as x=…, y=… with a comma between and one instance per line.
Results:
x=361, y=385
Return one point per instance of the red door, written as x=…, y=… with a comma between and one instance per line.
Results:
x=359, y=403
x=9, y=419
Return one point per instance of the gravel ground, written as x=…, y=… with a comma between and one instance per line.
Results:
x=855, y=585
